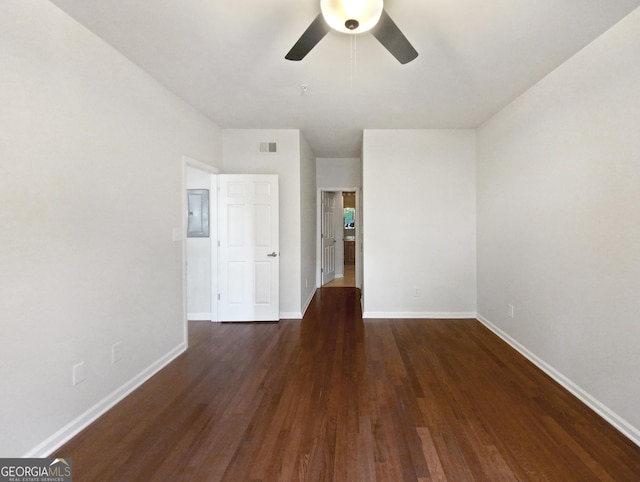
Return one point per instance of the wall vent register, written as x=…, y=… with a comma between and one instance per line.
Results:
x=268, y=147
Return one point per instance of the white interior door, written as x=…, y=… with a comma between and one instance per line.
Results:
x=328, y=236
x=248, y=254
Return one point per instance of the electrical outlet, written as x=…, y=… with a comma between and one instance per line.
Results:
x=77, y=373
x=510, y=311
x=116, y=352
x=416, y=292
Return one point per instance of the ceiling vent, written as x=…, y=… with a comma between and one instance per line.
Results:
x=268, y=147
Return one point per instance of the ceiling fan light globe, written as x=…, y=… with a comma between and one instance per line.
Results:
x=340, y=13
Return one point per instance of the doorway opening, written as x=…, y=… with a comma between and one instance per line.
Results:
x=340, y=227
x=231, y=270
x=199, y=276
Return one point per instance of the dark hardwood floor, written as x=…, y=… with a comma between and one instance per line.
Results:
x=336, y=398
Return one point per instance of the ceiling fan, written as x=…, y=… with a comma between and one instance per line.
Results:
x=354, y=17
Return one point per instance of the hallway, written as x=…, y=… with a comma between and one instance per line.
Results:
x=346, y=281
x=333, y=397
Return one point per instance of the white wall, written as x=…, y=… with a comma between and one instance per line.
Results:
x=559, y=222
x=90, y=193
x=199, y=255
x=419, y=223
x=340, y=172
x=241, y=155
x=308, y=233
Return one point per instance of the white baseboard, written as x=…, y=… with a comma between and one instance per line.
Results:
x=290, y=315
x=66, y=433
x=418, y=314
x=308, y=302
x=628, y=430
x=199, y=317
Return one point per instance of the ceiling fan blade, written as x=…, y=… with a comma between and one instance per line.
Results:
x=389, y=35
x=314, y=33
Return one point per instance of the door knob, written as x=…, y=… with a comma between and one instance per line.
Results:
x=272, y=255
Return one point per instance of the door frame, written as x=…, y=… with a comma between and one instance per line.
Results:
x=359, y=266
x=181, y=234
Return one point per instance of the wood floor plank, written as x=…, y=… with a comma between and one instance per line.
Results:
x=337, y=398
x=436, y=472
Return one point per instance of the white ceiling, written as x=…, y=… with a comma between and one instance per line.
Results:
x=226, y=58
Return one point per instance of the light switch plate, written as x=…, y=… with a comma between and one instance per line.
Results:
x=116, y=352
x=77, y=373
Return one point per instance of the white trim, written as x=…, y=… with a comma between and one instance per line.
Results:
x=213, y=218
x=290, y=315
x=628, y=430
x=66, y=433
x=418, y=314
x=199, y=316
x=203, y=166
x=183, y=235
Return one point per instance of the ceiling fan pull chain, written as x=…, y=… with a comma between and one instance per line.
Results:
x=351, y=62
x=354, y=54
